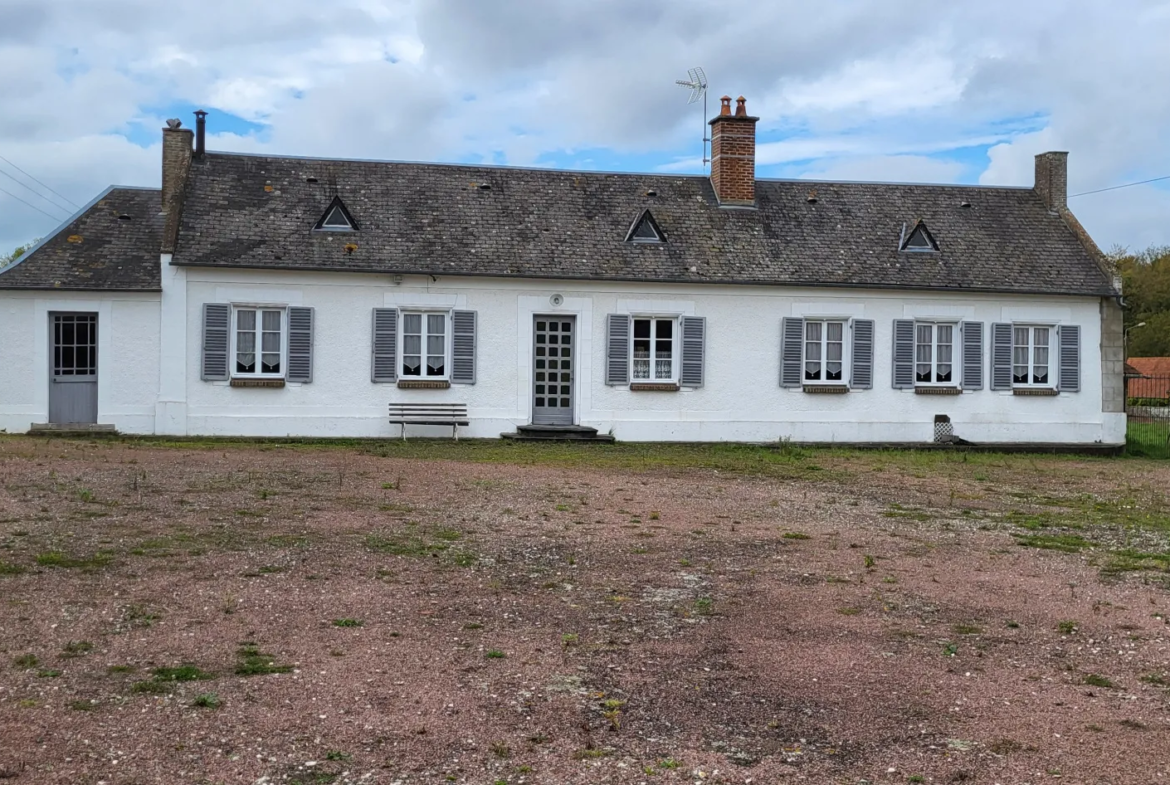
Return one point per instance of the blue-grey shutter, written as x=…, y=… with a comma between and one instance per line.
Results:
x=385, y=345
x=1069, y=337
x=861, y=375
x=791, y=351
x=217, y=319
x=903, y=354
x=300, y=345
x=972, y=333
x=1001, y=356
x=617, y=349
x=463, y=347
x=693, y=330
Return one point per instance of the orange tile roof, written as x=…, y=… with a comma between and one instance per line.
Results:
x=1151, y=366
x=1154, y=381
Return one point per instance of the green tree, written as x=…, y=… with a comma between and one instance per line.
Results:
x=1145, y=280
x=16, y=254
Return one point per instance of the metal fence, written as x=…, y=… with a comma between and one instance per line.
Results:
x=1147, y=406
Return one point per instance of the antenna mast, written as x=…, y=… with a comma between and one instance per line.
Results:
x=696, y=82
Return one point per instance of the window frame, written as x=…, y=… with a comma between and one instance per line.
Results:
x=1053, y=353
x=258, y=309
x=955, y=344
x=846, y=332
x=675, y=347
x=325, y=226
x=423, y=313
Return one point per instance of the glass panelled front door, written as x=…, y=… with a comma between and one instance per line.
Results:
x=73, y=375
x=553, y=370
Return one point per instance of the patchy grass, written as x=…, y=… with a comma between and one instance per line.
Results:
x=348, y=622
x=181, y=673
x=253, y=662
x=207, y=700
x=1065, y=543
x=1094, y=680
x=64, y=561
x=76, y=649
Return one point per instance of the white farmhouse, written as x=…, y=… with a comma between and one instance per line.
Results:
x=268, y=296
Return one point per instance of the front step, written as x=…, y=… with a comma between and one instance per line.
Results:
x=71, y=429
x=557, y=433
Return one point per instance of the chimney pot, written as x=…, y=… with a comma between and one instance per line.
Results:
x=741, y=107
x=200, y=132
x=725, y=106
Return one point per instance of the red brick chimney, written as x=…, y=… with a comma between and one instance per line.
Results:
x=733, y=154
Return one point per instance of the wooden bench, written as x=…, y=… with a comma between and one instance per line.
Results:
x=453, y=414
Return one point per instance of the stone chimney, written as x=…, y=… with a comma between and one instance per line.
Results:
x=1052, y=180
x=733, y=154
x=176, y=162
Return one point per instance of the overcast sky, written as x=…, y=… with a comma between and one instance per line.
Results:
x=897, y=90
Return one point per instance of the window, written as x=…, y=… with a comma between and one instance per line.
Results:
x=424, y=345
x=920, y=239
x=259, y=342
x=1030, y=356
x=645, y=230
x=336, y=218
x=824, y=352
x=653, y=355
x=934, y=353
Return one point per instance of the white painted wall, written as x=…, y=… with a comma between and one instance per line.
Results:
x=128, y=352
x=741, y=400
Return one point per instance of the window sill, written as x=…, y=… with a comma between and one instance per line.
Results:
x=825, y=389
x=272, y=383
x=1041, y=392
x=937, y=391
x=653, y=387
x=423, y=384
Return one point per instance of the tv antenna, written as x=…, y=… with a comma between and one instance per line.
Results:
x=696, y=81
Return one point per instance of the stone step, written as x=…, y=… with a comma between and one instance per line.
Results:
x=563, y=433
x=71, y=429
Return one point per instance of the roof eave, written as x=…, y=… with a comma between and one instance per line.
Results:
x=616, y=279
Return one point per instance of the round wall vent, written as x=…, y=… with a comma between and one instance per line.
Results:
x=556, y=300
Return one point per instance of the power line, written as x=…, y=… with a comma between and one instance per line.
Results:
x=33, y=206
x=38, y=182
x=1115, y=187
x=33, y=191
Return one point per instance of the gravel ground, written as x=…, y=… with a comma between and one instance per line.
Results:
x=866, y=618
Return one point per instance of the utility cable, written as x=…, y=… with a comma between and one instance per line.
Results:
x=1115, y=187
x=76, y=206
x=34, y=192
x=33, y=206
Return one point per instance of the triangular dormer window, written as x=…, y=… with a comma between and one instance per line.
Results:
x=919, y=239
x=645, y=230
x=336, y=218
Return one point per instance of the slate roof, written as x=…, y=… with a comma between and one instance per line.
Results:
x=98, y=249
x=258, y=212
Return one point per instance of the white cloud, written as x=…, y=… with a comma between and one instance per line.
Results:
x=887, y=168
